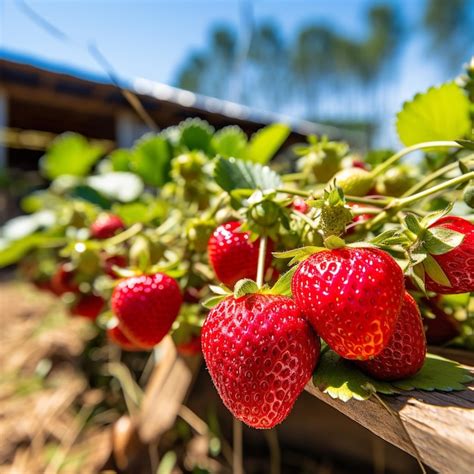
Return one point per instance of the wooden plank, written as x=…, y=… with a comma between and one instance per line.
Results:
x=166, y=391
x=441, y=425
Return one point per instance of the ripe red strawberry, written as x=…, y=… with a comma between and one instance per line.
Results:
x=190, y=347
x=443, y=327
x=232, y=255
x=260, y=352
x=406, y=351
x=358, y=219
x=146, y=307
x=457, y=264
x=352, y=298
x=88, y=306
x=106, y=225
x=300, y=205
x=117, y=336
x=110, y=261
x=63, y=281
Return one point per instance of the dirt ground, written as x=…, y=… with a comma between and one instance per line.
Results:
x=45, y=399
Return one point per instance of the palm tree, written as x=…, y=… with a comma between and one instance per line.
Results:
x=450, y=25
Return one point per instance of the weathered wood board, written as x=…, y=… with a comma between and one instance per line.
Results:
x=441, y=425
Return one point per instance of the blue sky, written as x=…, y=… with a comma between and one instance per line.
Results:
x=151, y=38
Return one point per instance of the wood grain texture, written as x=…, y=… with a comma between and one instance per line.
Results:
x=441, y=425
x=166, y=391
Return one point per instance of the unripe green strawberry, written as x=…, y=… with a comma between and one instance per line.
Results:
x=333, y=219
x=354, y=181
x=352, y=298
x=468, y=195
x=260, y=353
x=396, y=181
x=405, y=354
x=322, y=165
x=188, y=165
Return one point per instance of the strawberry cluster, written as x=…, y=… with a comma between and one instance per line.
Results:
x=262, y=348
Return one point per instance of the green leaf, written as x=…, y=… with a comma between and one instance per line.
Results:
x=70, y=153
x=468, y=144
x=134, y=212
x=441, y=113
x=15, y=250
x=245, y=287
x=334, y=242
x=437, y=373
x=196, y=134
x=440, y=240
x=342, y=380
x=266, y=142
x=120, y=185
x=299, y=254
x=121, y=159
x=435, y=272
x=412, y=224
x=283, y=284
x=213, y=301
x=231, y=174
x=230, y=141
x=151, y=160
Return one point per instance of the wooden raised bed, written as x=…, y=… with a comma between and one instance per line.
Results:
x=440, y=425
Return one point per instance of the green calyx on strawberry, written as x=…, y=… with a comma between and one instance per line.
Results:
x=334, y=214
x=405, y=353
x=440, y=251
x=260, y=353
x=146, y=307
x=321, y=158
x=265, y=214
x=354, y=181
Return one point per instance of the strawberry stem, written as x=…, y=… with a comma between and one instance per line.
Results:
x=419, y=146
x=399, y=203
x=238, y=451
x=262, y=251
x=431, y=177
x=123, y=236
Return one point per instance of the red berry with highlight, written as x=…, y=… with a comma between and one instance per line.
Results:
x=260, y=352
x=88, y=306
x=458, y=263
x=352, y=297
x=106, y=225
x=117, y=336
x=146, y=307
x=191, y=347
x=233, y=256
x=405, y=354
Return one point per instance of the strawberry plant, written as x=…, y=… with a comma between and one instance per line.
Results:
x=323, y=272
